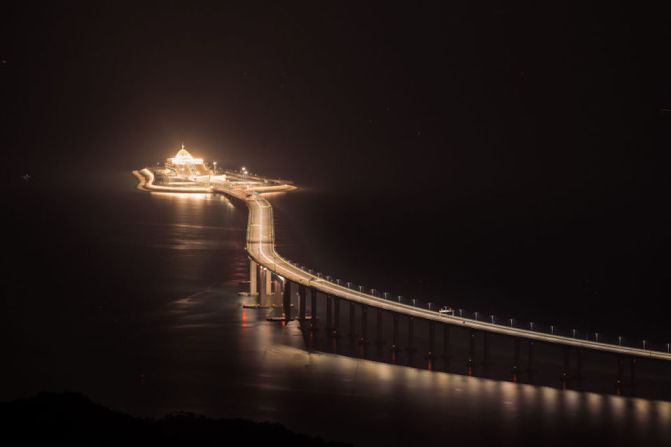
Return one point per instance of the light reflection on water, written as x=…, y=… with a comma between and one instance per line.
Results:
x=283, y=382
x=175, y=319
x=275, y=378
x=179, y=197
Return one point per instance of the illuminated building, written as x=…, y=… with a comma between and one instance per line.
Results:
x=186, y=166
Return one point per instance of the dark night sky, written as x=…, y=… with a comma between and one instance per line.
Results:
x=551, y=113
x=487, y=97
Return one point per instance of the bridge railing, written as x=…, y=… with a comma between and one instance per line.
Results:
x=544, y=328
x=594, y=339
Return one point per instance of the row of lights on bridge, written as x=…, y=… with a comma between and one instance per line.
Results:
x=399, y=298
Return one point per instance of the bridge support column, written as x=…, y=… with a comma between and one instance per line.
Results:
x=351, y=321
x=329, y=315
x=262, y=293
x=432, y=340
x=619, y=382
x=253, y=278
x=301, y=303
x=471, y=352
x=485, y=352
x=269, y=282
x=313, y=309
x=411, y=340
x=394, y=344
x=578, y=376
x=530, y=368
x=516, y=359
x=446, y=345
x=567, y=367
x=378, y=328
x=336, y=316
x=363, y=339
x=286, y=300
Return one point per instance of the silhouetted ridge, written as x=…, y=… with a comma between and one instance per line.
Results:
x=74, y=417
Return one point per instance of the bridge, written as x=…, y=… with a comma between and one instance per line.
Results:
x=260, y=247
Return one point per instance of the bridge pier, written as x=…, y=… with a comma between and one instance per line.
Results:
x=471, y=352
x=329, y=315
x=395, y=348
x=286, y=300
x=313, y=309
x=516, y=359
x=268, y=282
x=336, y=317
x=432, y=341
x=485, y=353
x=411, y=339
x=411, y=334
x=619, y=382
x=567, y=376
x=530, y=366
x=364, y=323
x=263, y=296
x=301, y=303
x=351, y=321
x=446, y=346
x=578, y=376
x=378, y=327
x=566, y=368
x=253, y=278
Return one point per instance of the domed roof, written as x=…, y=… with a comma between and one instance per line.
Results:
x=183, y=153
x=183, y=157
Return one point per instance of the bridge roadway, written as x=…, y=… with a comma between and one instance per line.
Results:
x=261, y=248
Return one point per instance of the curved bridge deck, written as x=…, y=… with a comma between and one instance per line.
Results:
x=261, y=248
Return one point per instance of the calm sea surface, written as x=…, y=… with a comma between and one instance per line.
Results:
x=132, y=298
